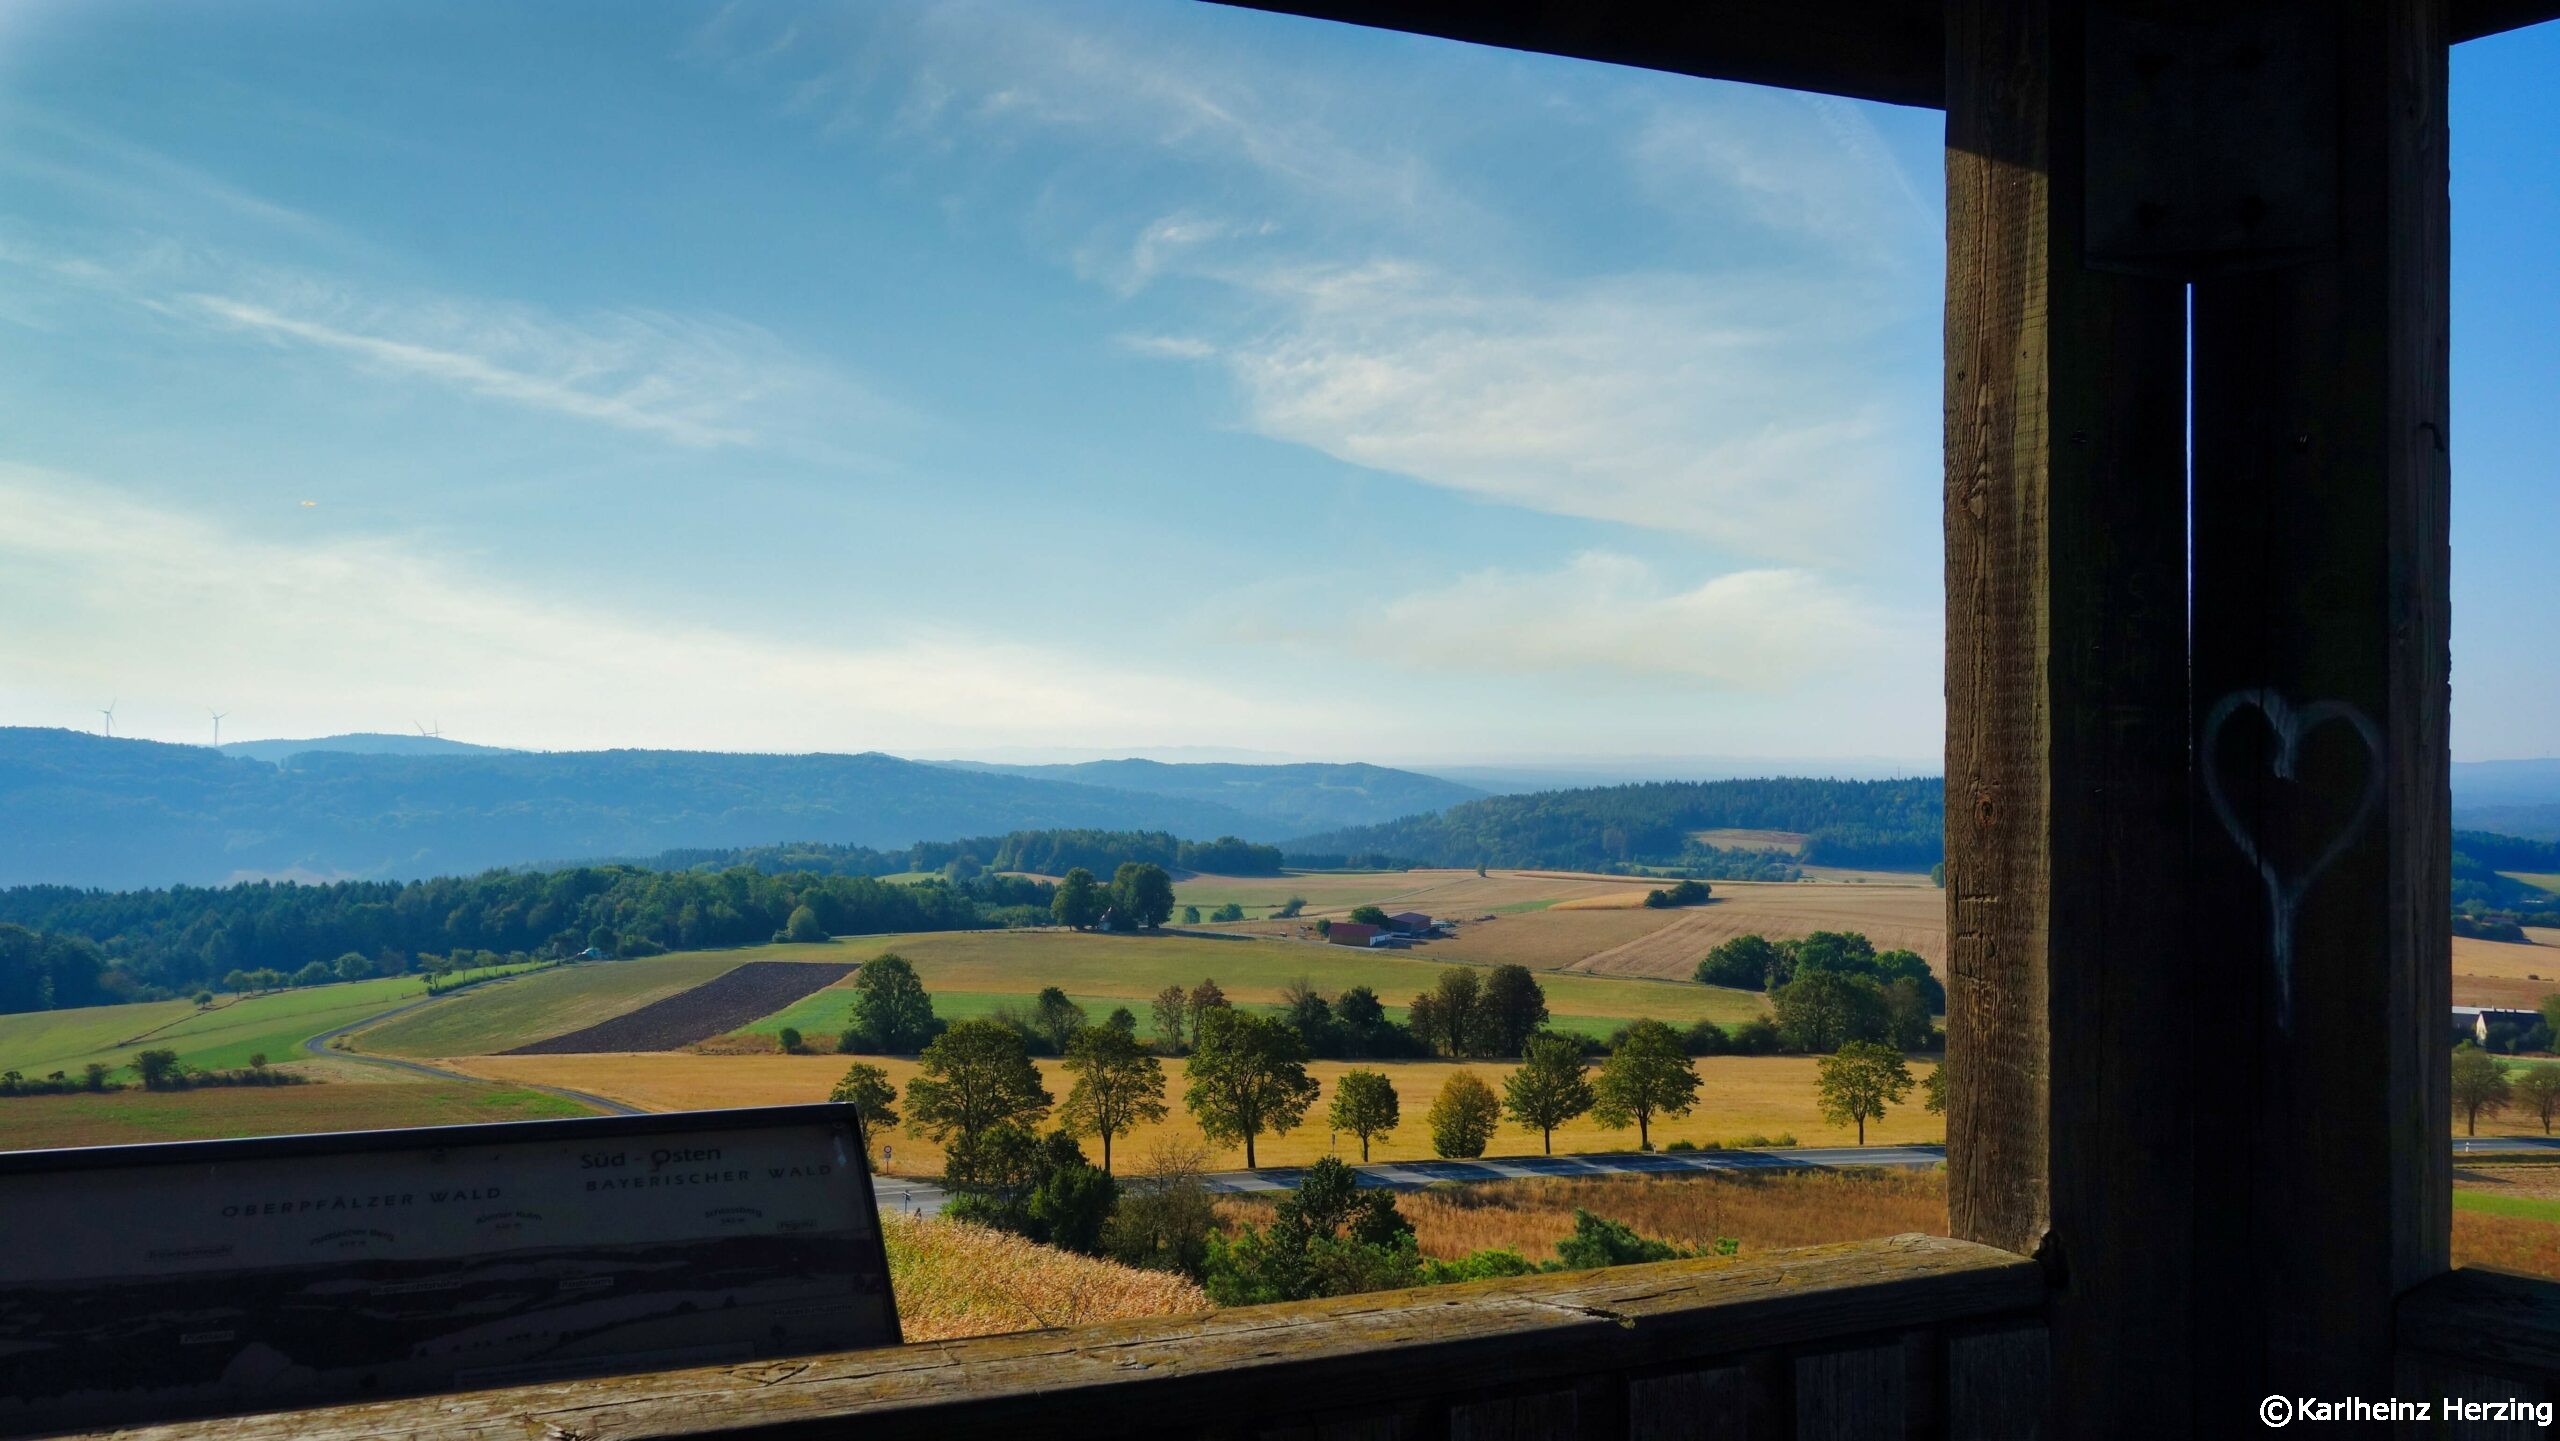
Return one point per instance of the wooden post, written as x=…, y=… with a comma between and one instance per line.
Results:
x=2067, y=710
x=2197, y=872
x=2322, y=965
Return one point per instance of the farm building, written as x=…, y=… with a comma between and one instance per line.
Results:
x=2478, y=1019
x=1409, y=923
x=1351, y=933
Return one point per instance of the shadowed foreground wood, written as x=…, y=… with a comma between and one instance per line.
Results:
x=1390, y=1363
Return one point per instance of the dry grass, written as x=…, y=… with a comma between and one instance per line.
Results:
x=1762, y=1211
x=1437, y=892
x=1549, y=940
x=954, y=1279
x=133, y=1116
x=1610, y=901
x=1740, y=1096
x=2501, y=973
x=1731, y=839
x=2510, y=1243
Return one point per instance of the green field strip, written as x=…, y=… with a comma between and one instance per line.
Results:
x=2492, y=1203
x=274, y=1024
x=487, y=1020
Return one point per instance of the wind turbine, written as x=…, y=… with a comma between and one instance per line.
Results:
x=434, y=732
x=217, y=726
x=110, y=714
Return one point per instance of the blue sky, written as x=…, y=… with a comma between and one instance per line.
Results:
x=1015, y=379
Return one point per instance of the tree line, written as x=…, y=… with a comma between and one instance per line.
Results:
x=978, y=1094
x=1889, y=824
x=61, y=946
x=1831, y=989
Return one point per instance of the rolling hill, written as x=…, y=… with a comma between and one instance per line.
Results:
x=84, y=810
x=1290, y=798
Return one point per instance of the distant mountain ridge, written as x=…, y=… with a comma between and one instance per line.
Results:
x=369, y=743
x=78, y=809
x=1296, y=797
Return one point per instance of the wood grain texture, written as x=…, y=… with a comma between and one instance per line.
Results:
x=2485, y=1318
x=1546, y=1416
x=1280, y=1364
x=2321, y=670
x=1867, y=49
x=1692, y=1406
x=1999, y=1385
x=1851, y=1395
x=2070, y=1131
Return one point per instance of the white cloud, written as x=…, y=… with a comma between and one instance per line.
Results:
x=1666, y=402
x=316, y=632
x=700, y=382
x=1757, y=631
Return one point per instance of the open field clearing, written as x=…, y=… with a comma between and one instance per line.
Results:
x=723, y=1003
x=1894, y=917
x=1550, y=939
x=1741, y=1096
x=1460, y=893
x=131, y=1117
x=2507, y=1215
x=2541, y=880
x=1731, y=839
x=1130, y=969
x=1764, y=1211
x=274, y=1025
x=513, y=1013
x=2502, y=973
x=953, y=1279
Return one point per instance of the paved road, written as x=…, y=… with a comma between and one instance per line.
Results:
x=319, y=1046
x=896, y=1193
x=2469, y=1145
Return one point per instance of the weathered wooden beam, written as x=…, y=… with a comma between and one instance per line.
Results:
x=1885, y=50
x=1533, y=1340
x=2067, y=816
x=2487, y=1319
x=2321, y=681
x=2476, y=19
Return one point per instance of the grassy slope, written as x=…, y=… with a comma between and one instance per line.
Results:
x=512, y=1013
x=133, y=1116
x=954, y=1279
x=275, y=1024
x=1119, y=969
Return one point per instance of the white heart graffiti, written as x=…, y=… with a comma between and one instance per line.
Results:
x=2284, y=893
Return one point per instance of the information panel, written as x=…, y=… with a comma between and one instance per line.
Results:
x=144, y=1283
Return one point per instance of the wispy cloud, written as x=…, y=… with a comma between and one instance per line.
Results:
x=698, y=382
x=1377, y=288
x=1758, y=631
x=298, y=630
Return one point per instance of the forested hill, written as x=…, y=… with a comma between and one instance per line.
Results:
x=1293, y=798
x=1888, y=824
x=82, y=810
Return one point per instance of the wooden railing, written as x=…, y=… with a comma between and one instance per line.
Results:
x=1910, y=1336
x=2480, y=1336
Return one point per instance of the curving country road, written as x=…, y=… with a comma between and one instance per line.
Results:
x=319, y=1046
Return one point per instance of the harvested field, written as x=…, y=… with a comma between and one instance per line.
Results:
x=1730, y=839
x=1460, y=893
x=1894, y=917
x=1741, y=1096
x=758, y=988
x=1764, y=1211
x=953, y=1279
x=1548, y=940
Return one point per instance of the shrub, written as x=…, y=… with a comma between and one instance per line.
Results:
x=1757, y=1037
x=1328, y=1237
x=1231, y=911
x=1598, y=1241
x=791, y=1040
x=1166, y=1214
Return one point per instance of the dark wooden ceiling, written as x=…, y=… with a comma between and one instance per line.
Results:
x=1889, y=50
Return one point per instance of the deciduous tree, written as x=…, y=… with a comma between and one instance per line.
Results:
x=1463, y=1116
x=1550, y=1087
x=892, y=1012
x=2479, y=1084
x=1513, y=1007
x=1649, y=1074
x=1173, y=1020
x=2537, y=1090
x=1205, y=997
x=976, y=1075
x=1079, y=902
x=1365, y=1104
x=1056, y=1018
x=1248, y=1076
x=874, y=1100
x=1858, y=1082
x=1117, y=1086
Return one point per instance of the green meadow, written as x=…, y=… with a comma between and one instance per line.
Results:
x=274, y=1025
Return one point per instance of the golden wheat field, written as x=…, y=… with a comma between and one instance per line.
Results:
x=1740, y=1096
x=1763, y=1211
x=1459, y=893
x=953, y=1279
